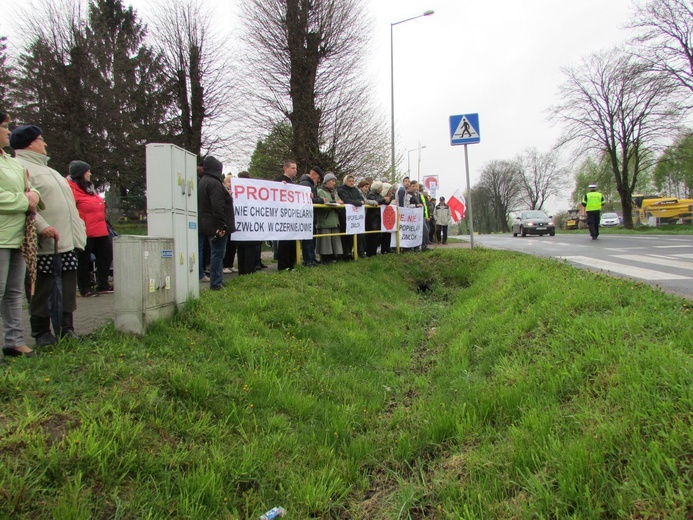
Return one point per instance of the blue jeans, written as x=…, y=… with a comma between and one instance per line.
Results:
x=12, y=269
x=216, y=264
x=201, y=239
x=308, y=248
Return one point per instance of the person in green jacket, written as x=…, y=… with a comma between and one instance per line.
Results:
x=16, y=200
x=329, y=248
x=593, y=202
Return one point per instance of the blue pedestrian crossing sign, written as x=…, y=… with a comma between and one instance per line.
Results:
x=464, y=129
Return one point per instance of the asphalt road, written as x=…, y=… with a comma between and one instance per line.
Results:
x=663, y=261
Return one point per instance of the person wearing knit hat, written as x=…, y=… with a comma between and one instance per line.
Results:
x=16, y=202
x=92, y=210
x=23, y=136
x=77, y=169
x=60, y=230
x=329, y=176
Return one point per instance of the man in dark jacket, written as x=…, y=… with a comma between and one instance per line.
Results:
x=203, y=252
x=349, y=194
x=215, y=217
x=311, y=179
x=286, y=249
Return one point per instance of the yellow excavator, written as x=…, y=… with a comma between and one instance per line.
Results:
x=577, y=219
x=665, y=209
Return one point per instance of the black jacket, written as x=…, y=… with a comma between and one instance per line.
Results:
x=284, y=178
x=350, y=195
x=307, y=181
x=372, y=216
x=214, y=203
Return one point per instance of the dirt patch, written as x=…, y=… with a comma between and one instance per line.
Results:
x=58, y=426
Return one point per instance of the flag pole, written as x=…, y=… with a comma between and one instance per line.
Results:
x=470, y=220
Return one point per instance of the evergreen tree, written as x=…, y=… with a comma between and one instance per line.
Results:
x=96, y=91
x=266, y=161
x=126, y=85
x=5, y=75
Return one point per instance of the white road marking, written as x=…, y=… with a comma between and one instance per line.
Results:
x=684, y=255
x=657, y=260
x=626, y=270
x=670, y=247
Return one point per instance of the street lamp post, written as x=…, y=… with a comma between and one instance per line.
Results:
x=392, y=90
x=418, y=167
x=419, y=148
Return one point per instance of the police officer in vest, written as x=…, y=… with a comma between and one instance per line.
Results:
x=593, y=202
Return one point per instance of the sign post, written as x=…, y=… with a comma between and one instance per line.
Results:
x=464, y=130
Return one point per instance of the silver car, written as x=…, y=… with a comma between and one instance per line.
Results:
x=533, y=222
x=609, y=220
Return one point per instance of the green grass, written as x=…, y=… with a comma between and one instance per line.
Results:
x=452, y=384
x=131, y=228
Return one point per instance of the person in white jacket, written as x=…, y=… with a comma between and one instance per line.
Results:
x=58, y=222
x=443, y=217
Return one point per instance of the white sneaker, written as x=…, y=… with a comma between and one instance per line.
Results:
x=204, y=279
x=226, y=270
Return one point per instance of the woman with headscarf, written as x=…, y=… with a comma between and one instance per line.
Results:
x=17, y=198
x=92, y=210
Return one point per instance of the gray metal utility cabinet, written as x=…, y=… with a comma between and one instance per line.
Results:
x=144, y=274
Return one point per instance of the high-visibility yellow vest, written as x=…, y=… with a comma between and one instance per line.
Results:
x=593, y=201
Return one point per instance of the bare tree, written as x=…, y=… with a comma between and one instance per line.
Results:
x=304, y=63
x=615, y=104
x=199, y=72
x=354, y=136
x=543, y=176
x=666, y=38
x=598, y=171
x=502, y=189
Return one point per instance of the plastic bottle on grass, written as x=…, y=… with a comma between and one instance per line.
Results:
x=275, y=512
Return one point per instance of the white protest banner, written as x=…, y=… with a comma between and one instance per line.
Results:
x=410, y=227
x=266, y=210
x=355, y=219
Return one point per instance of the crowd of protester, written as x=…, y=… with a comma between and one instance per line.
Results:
x=54, y=230
x=330, y=243
x=56, y=242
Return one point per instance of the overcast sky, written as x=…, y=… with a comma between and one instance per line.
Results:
x=500, y=59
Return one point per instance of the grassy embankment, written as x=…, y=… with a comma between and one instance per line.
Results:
x=453, y=384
